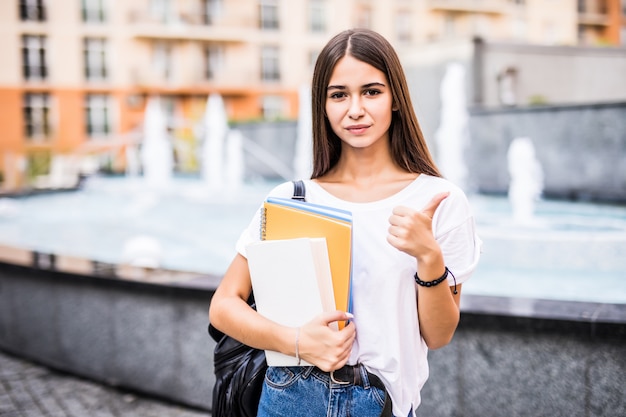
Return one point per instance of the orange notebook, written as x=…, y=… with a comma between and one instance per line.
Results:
x=289, y=219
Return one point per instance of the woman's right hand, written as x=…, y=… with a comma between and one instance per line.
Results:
x=323, y=346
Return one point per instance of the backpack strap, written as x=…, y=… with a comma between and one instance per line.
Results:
x=299, y=190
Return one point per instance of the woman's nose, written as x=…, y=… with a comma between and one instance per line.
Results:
x=356, y=109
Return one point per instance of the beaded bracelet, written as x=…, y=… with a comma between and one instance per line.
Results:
x=436, y=281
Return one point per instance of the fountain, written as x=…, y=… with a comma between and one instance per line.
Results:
x=156, y=151
x=215, y=131
x=143, y=252
x=452, y=136
x=234, y=171
x=304, y=142
x=526, y=183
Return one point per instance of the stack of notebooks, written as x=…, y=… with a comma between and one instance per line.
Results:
x=302, y=266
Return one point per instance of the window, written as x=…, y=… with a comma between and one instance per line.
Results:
x=270, y=68
x=160, y=10
x=32, y=10
x=364, y=17
x=317, y=23
x=168, y=107
x=34, y=57
x=549, y=32
x=449, y=26
x=582, y=35
x=211, y=11
x=272, y=107
x=37, y=115
x=98, y=115
x=268, y=14
x=95, y=58
x=403, y=26
x=480, y=27
x=93, y=11
x=213, y=58
x=162, y=60
x=519, y=29
x=313, y=58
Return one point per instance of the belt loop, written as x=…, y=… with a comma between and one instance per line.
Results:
x=307, y=371
x=364, y=376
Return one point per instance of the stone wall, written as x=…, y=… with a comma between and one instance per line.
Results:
x=581, y=148
x=548, y=73
x=509, y=365
x=145, y=337
x=510, y=357
x=269, y=149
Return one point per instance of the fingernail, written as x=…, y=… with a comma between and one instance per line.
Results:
x=349, y=315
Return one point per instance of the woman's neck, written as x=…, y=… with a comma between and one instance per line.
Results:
x=365, y=177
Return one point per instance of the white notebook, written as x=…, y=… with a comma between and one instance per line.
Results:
x=292, y=284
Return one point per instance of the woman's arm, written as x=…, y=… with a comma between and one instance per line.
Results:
x=317, y=342
x=438, y=308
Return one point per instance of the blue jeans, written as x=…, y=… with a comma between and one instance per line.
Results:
x=299, y=391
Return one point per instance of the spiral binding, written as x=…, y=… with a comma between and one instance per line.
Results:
x=263, y=224
x=299, y=192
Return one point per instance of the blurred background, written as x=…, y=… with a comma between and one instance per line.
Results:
x=77, y=74
x=138, y=137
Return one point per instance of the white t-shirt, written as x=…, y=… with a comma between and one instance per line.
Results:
x=388, y=340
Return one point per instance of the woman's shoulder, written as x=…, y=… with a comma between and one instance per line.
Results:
x=282, y=190
x=438, y=185
x=433, y=185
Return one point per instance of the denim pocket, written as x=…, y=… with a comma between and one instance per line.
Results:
x=379, y=395
x=283, y=376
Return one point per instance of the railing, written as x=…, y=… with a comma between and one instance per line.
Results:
x=482, y=6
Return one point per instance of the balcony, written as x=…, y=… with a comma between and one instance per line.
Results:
x=471, y=6
x=182, y=26
x=593, y=19
x=192, y=79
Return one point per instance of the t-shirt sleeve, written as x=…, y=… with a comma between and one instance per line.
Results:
x=455, y=230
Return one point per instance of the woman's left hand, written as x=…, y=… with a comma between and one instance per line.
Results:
x=411, y=231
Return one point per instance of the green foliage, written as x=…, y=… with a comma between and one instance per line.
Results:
x=38, y=163
x=537, y=100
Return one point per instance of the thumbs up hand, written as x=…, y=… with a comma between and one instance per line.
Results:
x=411, y=231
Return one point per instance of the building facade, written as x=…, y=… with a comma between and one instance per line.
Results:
x=77, y=73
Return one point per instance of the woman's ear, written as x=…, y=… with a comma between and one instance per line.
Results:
x=394, y=107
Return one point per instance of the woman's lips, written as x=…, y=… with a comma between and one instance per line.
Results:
x=357, y=129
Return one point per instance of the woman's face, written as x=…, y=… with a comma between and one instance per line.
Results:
x=359, y=103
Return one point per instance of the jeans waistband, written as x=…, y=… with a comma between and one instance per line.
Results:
x=351, y=375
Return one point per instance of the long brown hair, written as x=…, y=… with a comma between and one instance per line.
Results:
x=408, y=147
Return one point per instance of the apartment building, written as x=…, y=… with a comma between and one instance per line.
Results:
x=601, y=22
x=76, y=74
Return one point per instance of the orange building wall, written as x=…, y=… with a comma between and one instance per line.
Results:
x=11, y=143
x=616, y=20
x=71, y=127
x=11, y=129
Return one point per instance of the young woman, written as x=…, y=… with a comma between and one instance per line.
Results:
x=414, y=244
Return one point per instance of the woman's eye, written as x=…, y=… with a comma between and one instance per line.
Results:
x=337, y=95
x=371, y=92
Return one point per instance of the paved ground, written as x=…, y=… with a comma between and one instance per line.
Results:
x=29, y=390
